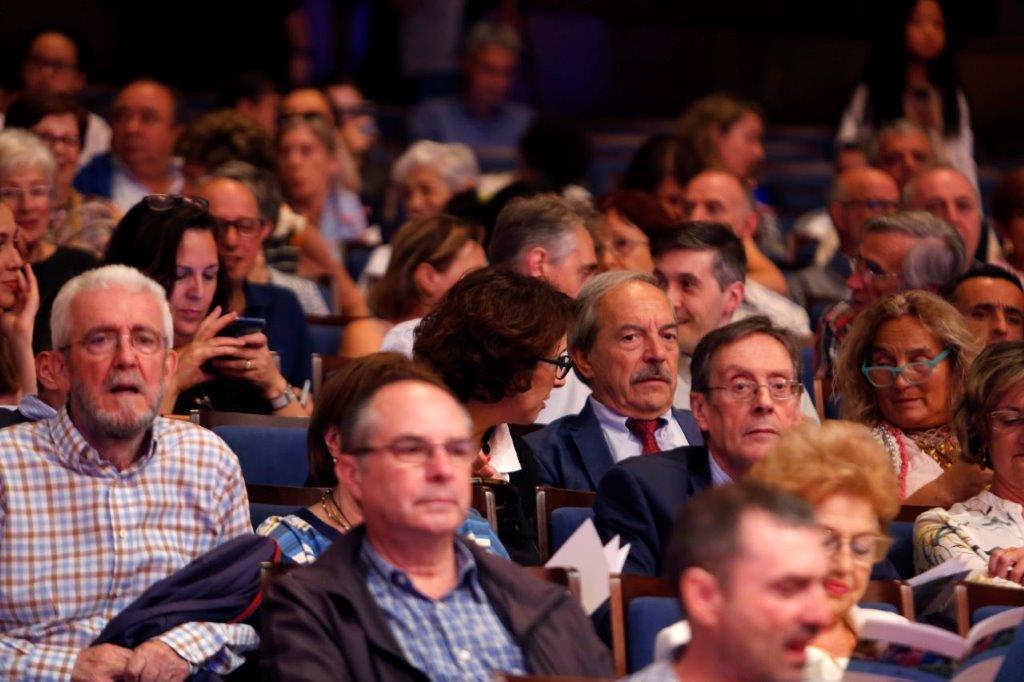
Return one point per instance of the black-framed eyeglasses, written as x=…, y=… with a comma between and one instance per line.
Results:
x=165, y=202
x=416, y=451
x=744, y=390
x=563, y=362
x=884, y=376
x=249, y=228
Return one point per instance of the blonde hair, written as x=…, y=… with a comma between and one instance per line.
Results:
x=998, y=369
x=816, y=461
x=934, y=314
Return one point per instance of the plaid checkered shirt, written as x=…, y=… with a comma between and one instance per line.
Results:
x=455, y=638
x=81, y=540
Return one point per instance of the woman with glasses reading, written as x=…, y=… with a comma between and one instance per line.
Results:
x=986, y=532
x=497, y=340
x=901, y=368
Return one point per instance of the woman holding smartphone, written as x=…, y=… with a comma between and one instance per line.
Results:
x=221, y=367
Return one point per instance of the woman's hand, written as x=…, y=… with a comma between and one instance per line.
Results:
x=204, y=347
x=482, y=467
x=16, y=323
x=253, y=362
x=1007, y=564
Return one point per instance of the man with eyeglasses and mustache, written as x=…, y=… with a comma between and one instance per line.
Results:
x=745, y=394
x=624, y=344
x=401, y=597
x=105, y=499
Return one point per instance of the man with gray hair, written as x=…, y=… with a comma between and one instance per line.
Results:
x=482, y=117
x=624, y=344
x=105, y=499
x=898, y=252
x=944, y=191
x=902, y=149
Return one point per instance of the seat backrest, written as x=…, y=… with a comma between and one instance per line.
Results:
x=325, y=339
x=211, y=419
x=284, y=494
x=889, y=595
x=485, y=502
x=566, y=576
x=271, y=456
x=624, y=589
x=910, y=512
x=645, y=618
x=901, y=554
x=971, y=598
x=549, y=499
x=260, y=511
x=564, y=522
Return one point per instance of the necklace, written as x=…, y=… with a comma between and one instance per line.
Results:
x=939, y=443
x=337, y=516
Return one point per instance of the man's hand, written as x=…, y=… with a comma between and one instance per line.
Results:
x=101, y=663
x=154, y=661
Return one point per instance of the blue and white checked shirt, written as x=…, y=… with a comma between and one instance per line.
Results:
x=456, y=638
x=80, y=540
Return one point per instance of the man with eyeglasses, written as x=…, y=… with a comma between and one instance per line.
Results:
x=991, y=300
x=624, y=344
x=105, y=499
x=745, y=394
x=401, y=597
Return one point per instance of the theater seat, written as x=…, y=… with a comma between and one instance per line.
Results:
x=268, y=455
x=565, y=521
x=645, y=618
x=260, y=511
x=901, y=554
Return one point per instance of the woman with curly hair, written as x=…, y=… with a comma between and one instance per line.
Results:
x=497, y=340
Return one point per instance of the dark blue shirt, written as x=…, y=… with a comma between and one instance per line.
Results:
x=287, y=332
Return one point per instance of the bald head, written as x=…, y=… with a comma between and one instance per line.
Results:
x=947, y=193
x=859, y=195
x=719, y=196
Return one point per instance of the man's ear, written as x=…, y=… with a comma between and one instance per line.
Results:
x=702, y=596
x=170, y=363
x=582, y=364
x=47, y=370
x=734, y=294
x=535, y=262
x=348, y=471
x=425, y=276
x=699, y=407
x=750, y=225
x=61, y=371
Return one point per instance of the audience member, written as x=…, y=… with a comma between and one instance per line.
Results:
x=653, y=170
x=701, y=266
x=624, y=345
x=948, y=193
x=902, y=149
x=173, y=241
x=1008, y=219
x=19, y=302
x=146, y=124
x=482, y=117
x=219, y=137
x=27, y=176
x=428, y=256
x=240, y=235
x=753, y=606
x=911, y=74
x=632, y=219
x=721, y=132
x=902, y=367
x=150, y=495
x=54, y=65
x=359, y=611
x=899, y=252
x=986, y=531
x=60, y=123
x=307, y=103
x=840, y=470
x=992, y=302
x=638, y=498
x=254, y=94
x=497, y=340
x=370, y=172
x=306, y=534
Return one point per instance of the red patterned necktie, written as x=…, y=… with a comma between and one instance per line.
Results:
x=644, y=430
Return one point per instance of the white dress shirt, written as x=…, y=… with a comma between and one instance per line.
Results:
x=623, y=444
x=126, y=190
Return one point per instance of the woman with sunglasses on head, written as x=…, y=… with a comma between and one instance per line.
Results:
x=901, y=368
x=172, y=240
x=986, y=532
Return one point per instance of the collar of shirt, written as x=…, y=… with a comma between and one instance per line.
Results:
x=126, y=190
x=35, y=409
x=396, y=578
x=624, y=444
x=503, y=454
x=76, y=453
x=718, y=474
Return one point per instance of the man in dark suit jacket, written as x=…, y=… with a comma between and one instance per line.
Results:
x=746, y=390
x=624, y=345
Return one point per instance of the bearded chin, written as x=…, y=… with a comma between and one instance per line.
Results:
x=123, y=424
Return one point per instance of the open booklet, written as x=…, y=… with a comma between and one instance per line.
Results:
x=934, y=593
x=594, y=561
x=893, y=650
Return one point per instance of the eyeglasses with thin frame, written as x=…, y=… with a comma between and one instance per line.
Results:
x=870, y=271
x=13, y=195
x=865, y=548
x=744, y=390
x=416, y=451
x=563, y=362
x=103, y=342
x=884, y=376
x=53, y=140
x=247, y=228
x=1003, y=421
x=165, y=202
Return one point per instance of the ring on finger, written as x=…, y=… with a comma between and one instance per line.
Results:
x=248, y=365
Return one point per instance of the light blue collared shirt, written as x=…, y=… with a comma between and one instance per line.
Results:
x=624, y=444
x=718, y=474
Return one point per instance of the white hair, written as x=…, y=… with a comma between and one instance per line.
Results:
x=454, y=162
x=20, y=150
x=106, y=277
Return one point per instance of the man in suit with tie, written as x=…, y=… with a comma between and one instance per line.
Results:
x=625, y=346
x=745, y=394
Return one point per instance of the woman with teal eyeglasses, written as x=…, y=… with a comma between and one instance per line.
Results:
x=901, y=369
x=986, y=531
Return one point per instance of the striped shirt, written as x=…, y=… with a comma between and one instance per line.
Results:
x=457, y=637
x=81, y=540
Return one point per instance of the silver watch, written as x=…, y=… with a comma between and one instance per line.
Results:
x=284, y=400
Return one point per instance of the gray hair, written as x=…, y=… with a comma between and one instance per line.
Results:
x=359, y=423
x=454, y=162
x=486, y=33
x=261, y=183
x=20, y=150
x=928, y=264
x=899, y=127
x=544, y=220
x=910, y=190
x=106, y=277
x=584, y=328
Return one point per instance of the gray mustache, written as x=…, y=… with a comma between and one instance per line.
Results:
x=651, y=372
